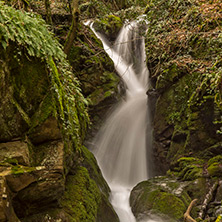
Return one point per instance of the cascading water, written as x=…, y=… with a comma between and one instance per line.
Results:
x=121, y=144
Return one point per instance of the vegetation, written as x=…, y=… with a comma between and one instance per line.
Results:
x=184, y=38
x=31, y=34
x=184, y=47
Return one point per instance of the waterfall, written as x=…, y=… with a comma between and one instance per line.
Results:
x=121, y=144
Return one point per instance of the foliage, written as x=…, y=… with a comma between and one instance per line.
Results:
x=187, y=35
x=32, y=37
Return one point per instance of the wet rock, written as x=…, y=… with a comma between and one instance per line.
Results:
x=95, y=173
x=105, y=210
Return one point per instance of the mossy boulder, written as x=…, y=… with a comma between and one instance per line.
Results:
x=159, y=196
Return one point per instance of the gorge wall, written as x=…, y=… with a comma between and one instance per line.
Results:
x=184, y=56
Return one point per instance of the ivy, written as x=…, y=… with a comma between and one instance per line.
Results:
x=31, y=34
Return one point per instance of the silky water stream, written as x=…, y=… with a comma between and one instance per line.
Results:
x=123, y=142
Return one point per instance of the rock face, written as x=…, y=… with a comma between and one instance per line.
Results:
x=187, y=122
x=45, y=173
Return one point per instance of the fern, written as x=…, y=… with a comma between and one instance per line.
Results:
x=30, y=32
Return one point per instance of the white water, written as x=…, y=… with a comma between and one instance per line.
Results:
x=121, y=144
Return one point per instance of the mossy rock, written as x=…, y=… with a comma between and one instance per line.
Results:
x=83, y=201
x=110, y=25
x=105, y=210
x=159, y=196
x=82, y=197
x=169, y=76
x=215, y=166
x=95, y=173
x=188, y=168
x=177, y=145
x=211, y=151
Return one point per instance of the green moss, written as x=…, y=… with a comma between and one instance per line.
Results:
x=215, y=166
x=95, y=173
x=189, y=168
x=161, y=196
x=173, y=73
x=22, y=112
x=191, y=173
x=215, y=170
x=11, y=161
x=217, y=158
x=169, y=204
x=81, y=197
x=18, y=169
x=44, y=110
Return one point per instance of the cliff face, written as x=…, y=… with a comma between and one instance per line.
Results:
x=45, y=172
x=184, y=56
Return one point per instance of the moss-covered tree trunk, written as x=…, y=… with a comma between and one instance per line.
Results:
x=73, y=30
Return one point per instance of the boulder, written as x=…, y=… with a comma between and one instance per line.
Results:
x=163, y=197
